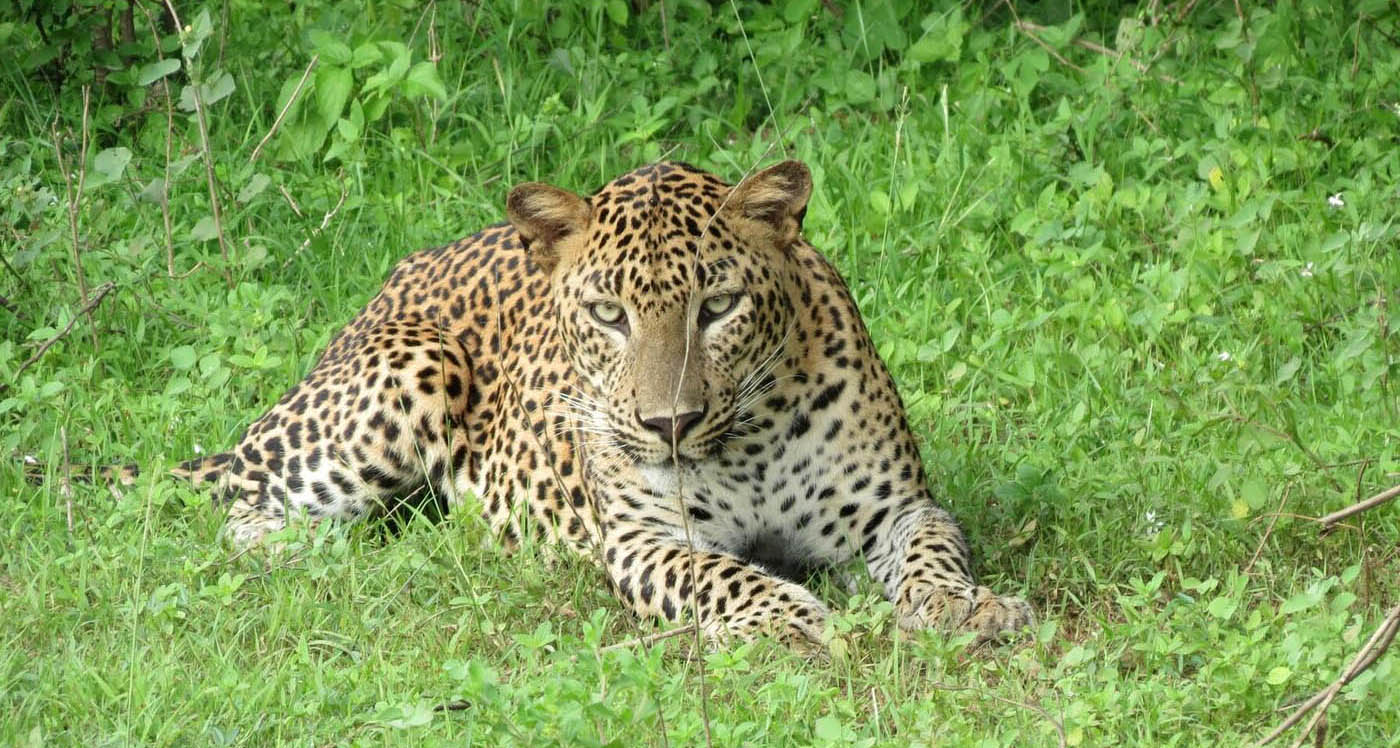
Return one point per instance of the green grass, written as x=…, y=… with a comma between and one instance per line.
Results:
x=1140, y=345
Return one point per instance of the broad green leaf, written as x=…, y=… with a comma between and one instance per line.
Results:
x=182, y=357
x=423, y=80
x=331, y=49
x=153, y=192
x=155, y=71
x=1222, y=607
x=333, y=86
x=111, y=162
x=217, y=90
x=204, y=230
x=860, y=87
x=193, y=39
x=798, y=10
x=366, y=54
x=254, y=187
x=617, y=12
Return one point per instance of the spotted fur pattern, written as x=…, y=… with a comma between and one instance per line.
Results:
x=664, y=374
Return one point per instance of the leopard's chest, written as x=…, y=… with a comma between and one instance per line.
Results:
x=773, y=497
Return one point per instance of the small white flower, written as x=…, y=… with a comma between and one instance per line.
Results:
x=1336, y=201
x=1307, y=271
x=198, y=449
x=1222, y=356
x=1154, y=522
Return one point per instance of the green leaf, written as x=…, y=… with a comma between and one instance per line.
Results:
x=219, y=89
x=828, y=728
x=192, y=40
x=860, y=87
x=333, y=86
x=1278, y=676
x=1285, y=373
x=617, y=12
x=366, y=54
x=423, y=80
x=110, y=163
x=1222, y=607
x=209, y=92
x=204, y=230
x=331, y=49
x=155, y=71
x=1300, y=602
x=182, y=357
x=153, y=192
x=795, y=11
x=255, y=185
x=942, y=39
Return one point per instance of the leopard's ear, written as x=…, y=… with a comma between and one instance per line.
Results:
x=777, y=198
x=545, y=216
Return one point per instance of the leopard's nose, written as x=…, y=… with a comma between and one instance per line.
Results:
x=672, y=429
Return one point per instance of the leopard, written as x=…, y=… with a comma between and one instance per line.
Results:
x=663, y=376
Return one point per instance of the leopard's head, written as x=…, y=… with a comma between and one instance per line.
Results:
x=675, y=295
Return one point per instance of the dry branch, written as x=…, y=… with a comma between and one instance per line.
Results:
x=325, y=222
x=277, y=123
x=1030, y=28
x=1331, y=520
x=75, y=197
x=86, y=311
x=1374, y=648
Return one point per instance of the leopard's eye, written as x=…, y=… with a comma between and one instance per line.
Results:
x=717, y=306
x=608, y=313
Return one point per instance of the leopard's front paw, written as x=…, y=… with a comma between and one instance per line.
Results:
x=975, y=609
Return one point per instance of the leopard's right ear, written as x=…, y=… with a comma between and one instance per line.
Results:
x=545, y=216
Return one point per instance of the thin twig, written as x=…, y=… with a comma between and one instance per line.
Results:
x=1368, y=654
x=208, y=154
x=169, y=138
x=277, y=123
x=325, y=221
x=649, y=639
x=1141, y=67
x=1038, y=709
x=86, y=311
x=75, y=198
x=1269, y=530
x=1332, y=519
x=1022, y=27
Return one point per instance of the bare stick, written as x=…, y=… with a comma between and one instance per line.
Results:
x=1024, y=29
x=1332, y=519
x=1270, y=529
x=1100, y=49
x=75, y=197
x=1375, y=647
x=213, y=184
x=650, y=639
x=208, y=159
x=86, y=311
x=169, y=136
x=325, y=221
x=277, y=123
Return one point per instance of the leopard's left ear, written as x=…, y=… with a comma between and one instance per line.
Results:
x=545, y=216
x=776, y=197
